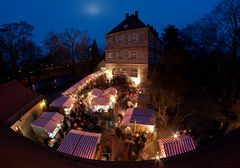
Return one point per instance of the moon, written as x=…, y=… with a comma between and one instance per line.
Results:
x=92, y=9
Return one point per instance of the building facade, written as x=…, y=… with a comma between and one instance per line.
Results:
x=132, y=50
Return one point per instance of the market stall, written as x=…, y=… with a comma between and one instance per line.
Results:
x=175, y=145
x=47, y=124
x=80, y=144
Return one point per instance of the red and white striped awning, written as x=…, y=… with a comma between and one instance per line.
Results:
x=175, y=146
x=80, y=144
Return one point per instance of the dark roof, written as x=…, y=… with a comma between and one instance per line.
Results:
x=130, y=22
x=18, y=151
x=15, y=101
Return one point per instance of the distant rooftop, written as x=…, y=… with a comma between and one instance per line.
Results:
x=130, y=22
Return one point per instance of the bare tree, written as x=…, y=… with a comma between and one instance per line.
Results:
x=69, y=39
x=163, y=100
x=56, y=51
x=227, y=15
x=15, y=36
x=83, y=49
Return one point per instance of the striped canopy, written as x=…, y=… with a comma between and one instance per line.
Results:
x=175, y=146
x=80, y=144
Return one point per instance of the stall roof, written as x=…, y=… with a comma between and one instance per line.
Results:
x=77, y=85
x=63, y=102
x=80, y=144
x=175, y=146
x=48, y=121
x=111, y=90
x=102, y=101
x=141, y=98
x=142, y=116
x=96, y=92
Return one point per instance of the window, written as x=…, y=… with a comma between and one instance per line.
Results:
x=109, y=55
x=110, y=41
x=125, y=26
x=134, y=72
x=114, y=55
x=114, y=71
x=129, y=37
x=134, y=54
x=134, y=37
x=123, y=71
x=119, y=39
x=126, y=54
x=120, y=55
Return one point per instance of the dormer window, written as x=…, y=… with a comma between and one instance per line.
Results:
x=125, y=26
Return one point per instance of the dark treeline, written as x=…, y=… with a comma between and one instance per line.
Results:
x=204, y=56
x=21, y=57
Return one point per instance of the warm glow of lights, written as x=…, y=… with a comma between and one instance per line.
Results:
x=108, y=74
x=136, y=104
x=112, y=99
x=67, y=111
x=157, y=156
x=150, y=128
x=42, y=104
x=176, y=134
x=136, y=80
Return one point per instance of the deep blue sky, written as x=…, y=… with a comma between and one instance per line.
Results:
x=97, y=17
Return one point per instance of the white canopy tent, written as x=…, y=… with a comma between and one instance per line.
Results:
x=65, y=103
x=47, y=124
x=82, y=83
x=99, y=99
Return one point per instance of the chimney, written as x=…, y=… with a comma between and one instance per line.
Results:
x=127, y=15
x=136, y=14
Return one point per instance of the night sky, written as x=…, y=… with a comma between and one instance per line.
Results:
x=97, y=17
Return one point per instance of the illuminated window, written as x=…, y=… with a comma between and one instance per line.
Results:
x=114, y=71
x=123, y=71
x=109, y=55
x=134, y=72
